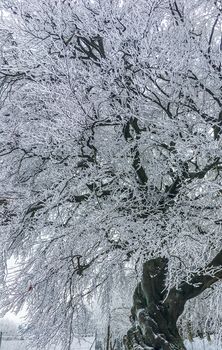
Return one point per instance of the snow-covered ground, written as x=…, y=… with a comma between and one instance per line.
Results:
x=88, y=344
x=201, y=344
x=21, y=345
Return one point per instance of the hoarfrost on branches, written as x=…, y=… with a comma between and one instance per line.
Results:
x=110, y=152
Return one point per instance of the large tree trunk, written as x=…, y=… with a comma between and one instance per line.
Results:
x=154, y=321
x=154, y=315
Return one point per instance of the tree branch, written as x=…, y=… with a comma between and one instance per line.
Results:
x=198, y=283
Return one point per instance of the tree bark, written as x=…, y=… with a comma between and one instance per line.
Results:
x=154, y=315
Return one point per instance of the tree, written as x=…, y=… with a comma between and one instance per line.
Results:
x=8, y=328
x=111, y=162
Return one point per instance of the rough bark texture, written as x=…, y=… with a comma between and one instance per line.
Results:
x=154, y=316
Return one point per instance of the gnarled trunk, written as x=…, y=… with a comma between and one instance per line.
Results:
x=154, y=315
x=154, y=320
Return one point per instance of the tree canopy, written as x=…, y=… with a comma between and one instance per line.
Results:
x=110, y=151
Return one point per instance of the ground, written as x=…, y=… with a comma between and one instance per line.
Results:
x=20, y=345
x=198, y=344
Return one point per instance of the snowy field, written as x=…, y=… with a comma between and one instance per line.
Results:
x=201, y=344
x=198, y=344
x=21, y=345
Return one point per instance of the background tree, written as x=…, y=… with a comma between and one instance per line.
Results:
x=8, y=328
x=111, y=162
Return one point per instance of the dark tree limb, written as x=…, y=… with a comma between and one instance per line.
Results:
x=128, y=130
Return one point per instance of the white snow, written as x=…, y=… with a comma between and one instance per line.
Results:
x=88, y=344
x=201, y=344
